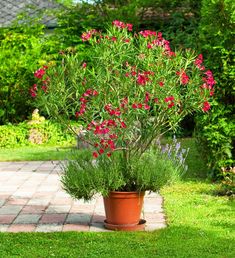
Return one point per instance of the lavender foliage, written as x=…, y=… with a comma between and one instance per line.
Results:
x=174, y=153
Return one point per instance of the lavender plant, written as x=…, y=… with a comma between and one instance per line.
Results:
x=174, y=153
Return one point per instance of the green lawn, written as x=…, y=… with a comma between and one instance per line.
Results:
x=200, y=224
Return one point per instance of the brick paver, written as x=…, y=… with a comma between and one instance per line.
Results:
x=32, y=200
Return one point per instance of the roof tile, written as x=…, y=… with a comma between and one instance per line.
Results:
x=11, y=8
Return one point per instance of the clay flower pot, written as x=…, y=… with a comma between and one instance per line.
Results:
x=123, y=210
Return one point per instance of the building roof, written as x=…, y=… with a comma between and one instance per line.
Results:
x=9, y=9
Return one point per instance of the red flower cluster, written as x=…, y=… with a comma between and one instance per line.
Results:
x=137, y=105
x=171, y=100
x=183, y=77
x=124, y=102
x=142, y=78
x=84, y=99
x=160, y=41
x=145, y=104
x=209, y=79
x=122, y=25
x=206, y=106
x=111, y=111
x=33, y=91
x=198, y=62
x=87, y=35
x=148, y=33
x=106, y=144
x=40, y=72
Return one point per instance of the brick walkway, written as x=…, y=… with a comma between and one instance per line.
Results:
x=32, y=200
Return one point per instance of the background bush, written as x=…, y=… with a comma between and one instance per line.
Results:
x=216, y=132
x=24, y=47
x=25, y=134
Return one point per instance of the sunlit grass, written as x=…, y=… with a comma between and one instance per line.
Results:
x=35, y=153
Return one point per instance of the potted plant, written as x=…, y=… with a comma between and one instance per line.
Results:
x=128, y=90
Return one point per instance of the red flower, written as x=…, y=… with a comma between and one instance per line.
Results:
x=111, y=123
x=123, y=125
x=198, y=62
x=170, y=98
x=33, y=94
x=119, y=24
x=87, y=35
x=183, y=76
x=114, y=112
x=44, y=88
x=95, y=155
x=134, y=106
x=109, y=154
x=147, y=97
x=83, y=100
x=101, y=151
x=114, y=39
x=77, y=114
x=161, y=84
x=39, y=73
x=146, y=107
x=206, y=106
x=95, y=93
x=156, y=100
x=84, y=65
x=159, y=35
x=129, y=26
x=210, y=79
x=35, y=87
x=149, y=46
x=113, y=136
x=107, y=107
x=148, y=33
x=142, y=79
x=171, y=104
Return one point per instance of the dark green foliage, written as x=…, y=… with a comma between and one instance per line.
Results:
x=176, y=19
x=216, y=132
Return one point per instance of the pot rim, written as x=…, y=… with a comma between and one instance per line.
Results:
x=128, y=192
x=119, y=194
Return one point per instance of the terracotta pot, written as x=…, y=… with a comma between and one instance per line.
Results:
x=123, y=210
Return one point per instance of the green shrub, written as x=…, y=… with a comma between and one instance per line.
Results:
x=23, y=48
x=11, y=136
x=25, y=133
x=216, y=132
